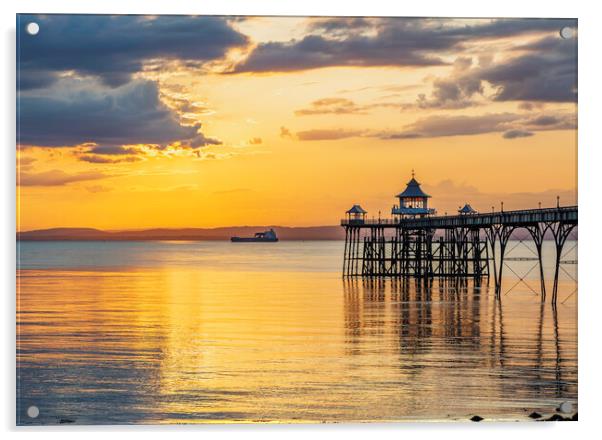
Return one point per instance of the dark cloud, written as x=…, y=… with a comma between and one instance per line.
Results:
x=315, y=51
x=545, y=120
x=77, y=112
x=97, y=158
x=113, y=47
x=383, y=42
x=454, y=92
x=559, y=121
x=56, y=178
x=112, y=150
x=547, y=74
x=513, y=134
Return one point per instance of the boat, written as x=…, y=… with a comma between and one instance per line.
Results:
x=259, y=237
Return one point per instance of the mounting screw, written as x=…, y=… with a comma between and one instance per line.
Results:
x=33, y=411
x=32, y=28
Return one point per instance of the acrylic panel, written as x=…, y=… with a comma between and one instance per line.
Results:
x=295, y=219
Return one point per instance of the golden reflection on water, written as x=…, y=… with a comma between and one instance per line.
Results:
x=180, y=345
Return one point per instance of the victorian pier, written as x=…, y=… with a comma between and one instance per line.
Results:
x=416, y=242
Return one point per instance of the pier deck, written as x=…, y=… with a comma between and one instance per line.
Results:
x=451, y=246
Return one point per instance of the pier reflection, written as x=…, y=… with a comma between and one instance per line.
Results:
x=458, y=330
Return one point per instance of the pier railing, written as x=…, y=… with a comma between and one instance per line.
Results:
x=467, y=245
x=565, y=214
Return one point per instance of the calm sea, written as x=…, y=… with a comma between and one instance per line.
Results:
x=187, y=332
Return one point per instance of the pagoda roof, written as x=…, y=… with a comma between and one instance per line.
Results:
x=413, y=190
x=467, y=209
x=357, y=209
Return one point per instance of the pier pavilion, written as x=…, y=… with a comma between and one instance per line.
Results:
x=415, y=242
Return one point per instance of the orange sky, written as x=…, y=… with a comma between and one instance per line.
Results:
x=299, y=146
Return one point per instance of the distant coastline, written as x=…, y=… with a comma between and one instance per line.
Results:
x=198, y=234
x=286, y=233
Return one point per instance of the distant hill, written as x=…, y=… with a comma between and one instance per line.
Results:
x=283, y=232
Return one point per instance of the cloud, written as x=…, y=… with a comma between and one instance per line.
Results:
x=513, y=134
x=97, y=158
x=114, y=47
x=56, y=178
x=444, y=125
x=455, y=92
x=383, y=42
x=545, y=120
x=76, y=112
x=25, y=163
x=547, y=74
x=255, y=141
x=112, y=150
x=327, y=134
x=285, y=132
x=512, y=125
x=337, y=106
x=342, y=106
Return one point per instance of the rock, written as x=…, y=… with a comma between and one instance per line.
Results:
x=535, y=415
x=555, y=418
x=476, y=418
x=574, y=418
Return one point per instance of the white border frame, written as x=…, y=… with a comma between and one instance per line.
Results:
x=590, y=304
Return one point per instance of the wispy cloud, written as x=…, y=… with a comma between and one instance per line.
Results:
x=327, y=134
x=512, y=125
x=56, y=178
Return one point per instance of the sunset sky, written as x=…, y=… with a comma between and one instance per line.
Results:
x=128, y=122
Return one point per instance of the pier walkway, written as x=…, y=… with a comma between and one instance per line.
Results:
x=463, y=245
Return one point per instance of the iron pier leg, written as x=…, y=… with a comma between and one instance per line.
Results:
x=538, y=232
x=561, y=232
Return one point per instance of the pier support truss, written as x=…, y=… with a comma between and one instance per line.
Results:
x=455, y=247
x=460, y=252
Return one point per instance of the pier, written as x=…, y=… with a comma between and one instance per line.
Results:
x=416, y=242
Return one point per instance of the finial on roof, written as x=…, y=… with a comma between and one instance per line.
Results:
x=412, y=173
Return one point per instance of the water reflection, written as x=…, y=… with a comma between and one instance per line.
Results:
x=174, y=344
x=449, y=325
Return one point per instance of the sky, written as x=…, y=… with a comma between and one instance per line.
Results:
x=131, y=122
